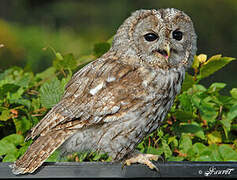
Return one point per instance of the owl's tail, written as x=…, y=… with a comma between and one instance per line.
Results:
x=40, y=150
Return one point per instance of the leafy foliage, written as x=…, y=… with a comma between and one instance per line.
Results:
x=201, y=125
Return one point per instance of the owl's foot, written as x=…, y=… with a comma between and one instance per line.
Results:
x=143, y=159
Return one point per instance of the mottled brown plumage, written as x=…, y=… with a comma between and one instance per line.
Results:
x=111, y=104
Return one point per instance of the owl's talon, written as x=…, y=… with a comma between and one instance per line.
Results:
x=143, y=159
x=124, y=164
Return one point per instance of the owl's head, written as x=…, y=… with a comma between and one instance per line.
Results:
x=163, y=37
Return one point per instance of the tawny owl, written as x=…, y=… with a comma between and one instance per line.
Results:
x=111, y=104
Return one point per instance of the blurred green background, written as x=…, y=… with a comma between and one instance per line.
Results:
x=27, y=27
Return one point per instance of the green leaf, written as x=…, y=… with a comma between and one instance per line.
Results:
x=199, y=88
x=196, y=101
x=17, y=94
x=173, y=140
x=188, y=82
x=202, y=153
x=185, y=143
x=183, y=115
x=97, y=157
x=215, y=155
x=214, y=137
x=24, y=147
x=198, y=148
x=212, y=65
x=8, y=75
x=109, y=159
x=22, y=124
x=59, y=56
x=15, y=139
x=226, y=122
x=25, y=80
x=100, y=156
x=156, y=151
x=10, y=157
x=233, y=112
x=64, y=81
x=35, y=103
x=68, y=62
x=54, y=157
x=208, y=111
x=8, y=88
x=166, y=149
x=50, y=72
x=193, y=128
x=195, y=64
x=203, y=158
x=6, y=147
x=24, y=102
x=233, y=93
x=175, y=158
x=100, y=48
x=160, y=133
x=51, y=93
x=224, y=100
x=185, y=102
x=5, y=115
x=215, y=87
x=140, y=146
x=227, y=153
x=82, y=156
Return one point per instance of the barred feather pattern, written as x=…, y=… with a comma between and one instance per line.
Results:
x=39, y=151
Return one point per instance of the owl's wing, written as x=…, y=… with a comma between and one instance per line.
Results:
x=97, y=91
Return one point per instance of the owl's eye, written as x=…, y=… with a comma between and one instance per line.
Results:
x=177, y=35
x=150, y=37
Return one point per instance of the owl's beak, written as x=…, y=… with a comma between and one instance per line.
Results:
x=167, y=48
x=165, y=52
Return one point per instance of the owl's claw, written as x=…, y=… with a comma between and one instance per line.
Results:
x=143, y=159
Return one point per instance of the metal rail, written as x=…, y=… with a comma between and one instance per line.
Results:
x=115, y=170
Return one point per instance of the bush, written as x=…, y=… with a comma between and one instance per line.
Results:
x=201, y=125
